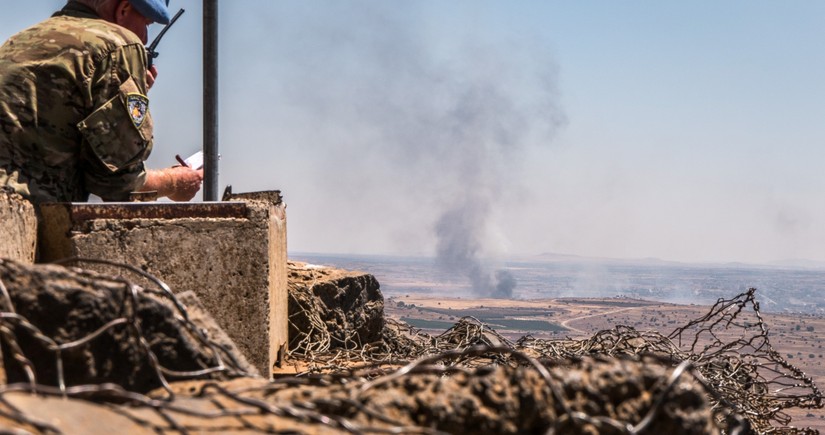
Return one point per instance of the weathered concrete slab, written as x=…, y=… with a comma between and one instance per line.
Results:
x=232, y=255
x=71, y=416
x=204, y=321
x=18, y=228
x=277, y=256
x=189, y=413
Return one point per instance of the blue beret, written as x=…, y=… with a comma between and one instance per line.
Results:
x=155, y=10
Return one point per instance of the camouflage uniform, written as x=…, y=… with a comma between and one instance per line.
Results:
x=74, y=117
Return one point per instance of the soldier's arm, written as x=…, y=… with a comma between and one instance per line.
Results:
x=179, y=183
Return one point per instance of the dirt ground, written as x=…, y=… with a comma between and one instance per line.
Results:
x=798, y=338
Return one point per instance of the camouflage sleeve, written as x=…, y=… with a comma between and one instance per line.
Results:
x=117, y=136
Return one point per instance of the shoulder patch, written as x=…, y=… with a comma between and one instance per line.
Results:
x=138, y=106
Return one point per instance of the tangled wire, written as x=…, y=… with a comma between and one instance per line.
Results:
x=728, y=349
x=727, y=353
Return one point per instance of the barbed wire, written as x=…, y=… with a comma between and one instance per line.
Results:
x=728, y=349
x=727, y=353
x=223, y=361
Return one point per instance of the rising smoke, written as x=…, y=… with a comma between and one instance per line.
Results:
x=423, y=130
x=489, y=127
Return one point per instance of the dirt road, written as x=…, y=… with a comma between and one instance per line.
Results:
x=566, y=323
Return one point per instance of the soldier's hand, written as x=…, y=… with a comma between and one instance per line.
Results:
x=151, y=75
x=186, y=182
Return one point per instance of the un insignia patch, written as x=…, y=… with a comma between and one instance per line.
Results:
x=138, y=106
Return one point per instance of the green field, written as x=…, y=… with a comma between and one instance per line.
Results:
x=427, y=324
x=490, y=312
x=523, y=325
x=495, y=322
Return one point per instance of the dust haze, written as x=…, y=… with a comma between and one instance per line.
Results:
x=406, y=139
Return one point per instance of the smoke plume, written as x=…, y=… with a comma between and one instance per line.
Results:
x=488, y=128
x=416, y=141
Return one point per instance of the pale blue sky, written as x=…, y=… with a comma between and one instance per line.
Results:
x=687, y=131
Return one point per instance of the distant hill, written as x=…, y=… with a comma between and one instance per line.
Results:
x=551, y=257
x=798, y=263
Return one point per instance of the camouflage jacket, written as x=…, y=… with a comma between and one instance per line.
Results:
x=74, y=116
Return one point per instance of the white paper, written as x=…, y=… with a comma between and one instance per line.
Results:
x=195, y=161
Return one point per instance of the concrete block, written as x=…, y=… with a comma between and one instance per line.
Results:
x=232, y=255
x=18, y=228
x=206, y=323
x=277, y=254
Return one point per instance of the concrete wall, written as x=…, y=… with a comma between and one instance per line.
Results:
x=18, y=228
x=279, y=301
x=232, y=255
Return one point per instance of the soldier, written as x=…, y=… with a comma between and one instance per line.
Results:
x=74, y=115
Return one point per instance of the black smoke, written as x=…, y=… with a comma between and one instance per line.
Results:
x=459, y=234
x=505, y=285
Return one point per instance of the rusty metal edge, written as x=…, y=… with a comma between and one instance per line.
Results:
x=273, y=197
x=153, y=210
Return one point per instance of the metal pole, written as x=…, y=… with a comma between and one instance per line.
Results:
x=210, y=100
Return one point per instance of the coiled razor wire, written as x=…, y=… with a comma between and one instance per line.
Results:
x=225, y=361
x=727, y=351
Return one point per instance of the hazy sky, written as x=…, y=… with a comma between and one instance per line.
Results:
x=690, y=131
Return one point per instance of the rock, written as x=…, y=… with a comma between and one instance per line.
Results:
x=18, y=227
x=514, y=400
x=333, y=309
x=66, y=305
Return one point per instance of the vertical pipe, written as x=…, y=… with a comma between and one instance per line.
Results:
x=210, y=100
